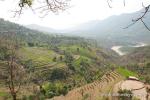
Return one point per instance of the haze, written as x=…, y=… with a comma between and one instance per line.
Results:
x=81, y=11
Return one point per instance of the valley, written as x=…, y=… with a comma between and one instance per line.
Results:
x=94, y=61
x=123, y=50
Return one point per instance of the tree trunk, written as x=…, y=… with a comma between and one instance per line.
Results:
x=14, y=96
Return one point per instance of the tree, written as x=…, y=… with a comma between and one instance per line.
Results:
x=58, y=74
x=31, y=44
x=54, y=59
x=68, y=58
x=45, y=7
x=61, y=58
x=14, y=72
x=78, y=49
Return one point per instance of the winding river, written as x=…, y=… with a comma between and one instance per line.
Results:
x=117, y=49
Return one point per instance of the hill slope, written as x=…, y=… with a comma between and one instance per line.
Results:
x=62, y=61
x=110, y=31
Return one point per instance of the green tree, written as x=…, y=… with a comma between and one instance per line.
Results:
x=61, y=58
x=68, y=58
x=78, y=49
x=54, y=59
x=58, y=74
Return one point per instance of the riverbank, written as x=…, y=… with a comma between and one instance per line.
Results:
x=118, y=50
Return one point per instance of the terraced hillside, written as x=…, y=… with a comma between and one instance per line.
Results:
x=68, y=62
x=98, y=90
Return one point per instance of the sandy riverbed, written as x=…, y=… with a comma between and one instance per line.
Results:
x=121, y=53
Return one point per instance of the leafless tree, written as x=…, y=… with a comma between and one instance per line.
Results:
x=140, y=18
x=45, y=6
x=14, y=72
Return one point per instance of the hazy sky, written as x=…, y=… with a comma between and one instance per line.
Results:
x=81, y=11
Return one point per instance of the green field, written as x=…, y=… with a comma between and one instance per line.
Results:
x=3, y=94
x=40, y=56
x=125, y=72
x=82, y=51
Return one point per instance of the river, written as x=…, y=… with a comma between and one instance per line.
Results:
x=121, y=53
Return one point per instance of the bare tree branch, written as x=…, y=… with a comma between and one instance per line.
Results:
x=108, y=2
x=145, y=25
x=124, y=2
x=146, y=10
x=46, y=6
x=14, y=72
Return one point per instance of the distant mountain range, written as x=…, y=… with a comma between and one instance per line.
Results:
x=110, y=30
x=41, y=28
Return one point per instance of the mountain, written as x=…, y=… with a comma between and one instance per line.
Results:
x=109, y=31
x=112, y=30
x=6, y=26
x=66, y=62
x=41, y=28
x=138, y=55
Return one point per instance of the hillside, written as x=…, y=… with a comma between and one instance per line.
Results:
x=41, y=28
x=65, y=62
x=110, y=31
x=60, y=67
x=138, y=55
x=93, y=91
x=138, y=61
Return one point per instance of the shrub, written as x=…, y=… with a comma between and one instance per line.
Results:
x=55, y=89
x=58, y=74
x=125, y=95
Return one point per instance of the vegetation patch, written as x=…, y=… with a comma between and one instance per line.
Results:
x=126, y=73
x=3, y=94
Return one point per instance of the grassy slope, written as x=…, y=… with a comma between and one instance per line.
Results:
x=127, y=49
x=42, y=56
x=125, y=72
x=82, y=51
x=39, y=56
x=3, y=94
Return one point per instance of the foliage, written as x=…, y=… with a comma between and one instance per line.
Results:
x=68, y=58
x=58, y=74
x=55, y=89
x=28, y=65
x=56, y=58
x=125, y=95
x=126, y=73
x=142, y=70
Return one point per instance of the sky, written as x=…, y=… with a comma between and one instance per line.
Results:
x=80, y=11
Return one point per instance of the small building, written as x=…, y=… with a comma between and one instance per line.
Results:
x=133, y=78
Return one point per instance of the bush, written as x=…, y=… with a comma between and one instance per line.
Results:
x=29, y=65
x=58, y=74
x=30, y=44
x=54, y=59
x=55, y=89
x=125, y=95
